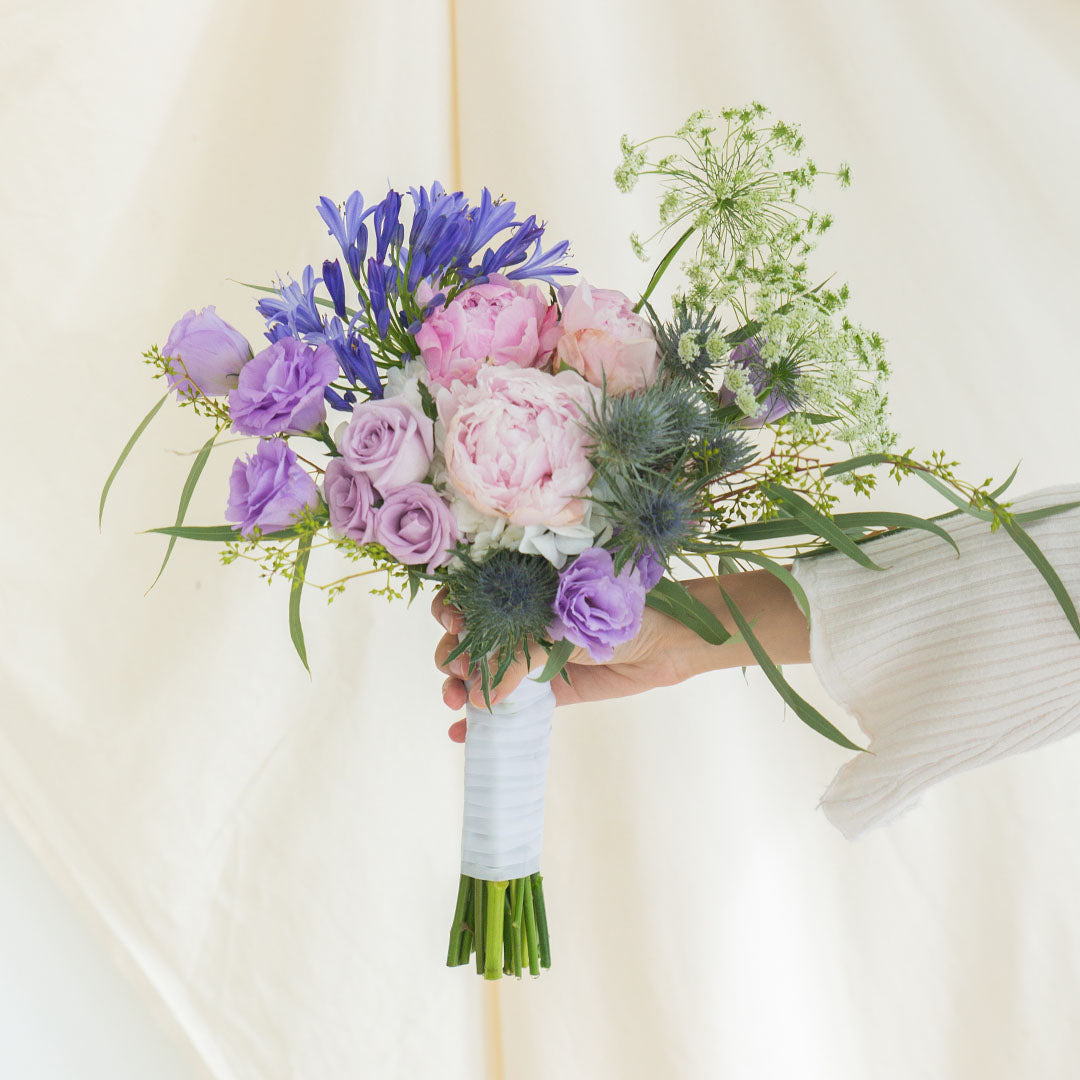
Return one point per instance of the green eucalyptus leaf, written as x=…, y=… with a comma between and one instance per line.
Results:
x=778, y=570
x=999, y=491
x=193, y=475
x=674, y=599
x=143, y=424
x=665, y=262
x=296, y=587
x=799, y=705
x=860, y=462
x=558, y=655
x=823, y=526
x=1032, y=550
x=871, y=519
x=218, y=533
x=957, y=500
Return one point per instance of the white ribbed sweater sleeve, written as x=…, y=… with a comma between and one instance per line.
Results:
x=947, y=663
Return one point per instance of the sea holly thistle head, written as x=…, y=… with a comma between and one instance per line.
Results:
x=505, y=599
x=652, y=513
x=692, y=345
x=643, y=430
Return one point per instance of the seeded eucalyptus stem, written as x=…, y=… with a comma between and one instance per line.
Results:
x=504, y=923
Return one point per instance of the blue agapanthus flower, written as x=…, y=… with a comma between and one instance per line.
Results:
x=449, y=245
x=446, y=235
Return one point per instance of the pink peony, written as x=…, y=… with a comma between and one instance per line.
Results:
x=515, y=446
x=604, y=341
x=500, y=322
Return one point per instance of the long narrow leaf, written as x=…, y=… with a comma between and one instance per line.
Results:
x=823, y=526
x=856, y=463
x=558, y=654
x=124, y=453
x=888, y=519
x=296, y=630
x=773, y=529
x=778, y=570
x=1032, y=550
x=665, y=262
x=957, y=500
x=217, y=533
x=799, y=705
x=999, y=491
x=672, y=598
x=194, y=473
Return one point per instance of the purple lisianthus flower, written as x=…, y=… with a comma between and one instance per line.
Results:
x=416, y=525
x=649, y=568
x=269, y=488
x=282, y=388
x=207, y=353
x=595, y=608
x=747, y=355
x=350, y=499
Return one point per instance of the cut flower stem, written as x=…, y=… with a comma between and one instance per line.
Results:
x=503, y=924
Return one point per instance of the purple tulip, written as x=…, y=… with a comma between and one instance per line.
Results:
x=269, y=489
x=207, y=354
x=281, y=390
x=595, y=608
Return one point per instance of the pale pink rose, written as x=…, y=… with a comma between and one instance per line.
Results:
x=500, y=322
x=604, y=341
x=389, y=440
x=515, y=446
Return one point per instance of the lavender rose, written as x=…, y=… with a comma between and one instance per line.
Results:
x=594, y=608
x=269, y=488
x=350, y=499
x=281, y=389
x=208, y=354
x=416, y=526
x=390, y=440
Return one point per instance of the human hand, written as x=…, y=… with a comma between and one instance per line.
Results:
x=658, y=656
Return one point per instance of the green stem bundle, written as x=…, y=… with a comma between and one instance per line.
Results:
x=504, y=923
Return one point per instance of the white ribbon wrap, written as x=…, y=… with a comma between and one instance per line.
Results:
x=506, y=761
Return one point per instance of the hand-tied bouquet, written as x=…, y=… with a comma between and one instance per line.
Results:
x=547, y=455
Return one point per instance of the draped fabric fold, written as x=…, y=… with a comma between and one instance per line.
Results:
x=277, y=855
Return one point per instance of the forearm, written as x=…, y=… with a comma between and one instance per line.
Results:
x=778, y=621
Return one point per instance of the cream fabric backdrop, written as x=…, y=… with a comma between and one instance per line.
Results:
x=275, y=855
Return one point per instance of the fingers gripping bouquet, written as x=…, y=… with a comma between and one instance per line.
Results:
x=546, y=451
